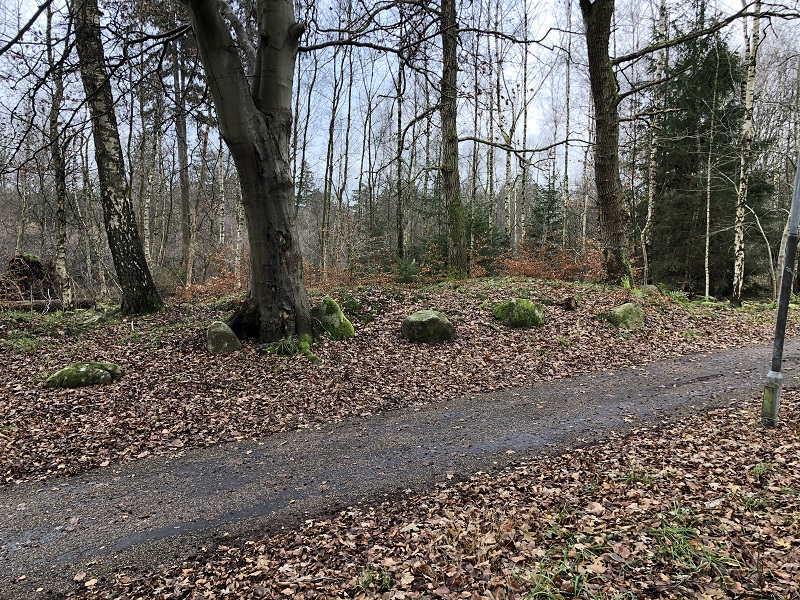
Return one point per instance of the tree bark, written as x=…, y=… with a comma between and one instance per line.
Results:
x=566, y=198
x=139, y=294
x=59, y=170
x=605, y=98
x=183, y=149
x=400, y=222
x=655, y=126
x=709, y=164
x=256, y=126
x=457, y=262
x=751, y=51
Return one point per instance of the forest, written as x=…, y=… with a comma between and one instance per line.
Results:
x=645, y=143
x=398, y=299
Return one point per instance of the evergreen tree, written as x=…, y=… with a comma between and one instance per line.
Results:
x=700, y=67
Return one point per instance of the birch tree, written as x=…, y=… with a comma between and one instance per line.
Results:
x=139, y=294
x=58, y=163
x=750, y=53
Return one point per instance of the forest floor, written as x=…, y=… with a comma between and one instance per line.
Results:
x=701, y=504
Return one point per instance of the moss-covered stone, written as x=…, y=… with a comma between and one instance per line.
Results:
x=628, y=316
x=220, y=339
x=83, y=374
x=332, y=319
x=519, y=312
x=650, y=290
x=427, y=327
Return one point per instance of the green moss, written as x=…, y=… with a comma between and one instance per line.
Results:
x=629, y=316
x=292, y=345
x=519, y=312
x=332, y=319
x=304, y=344
x=19, y=341
x=83, y=374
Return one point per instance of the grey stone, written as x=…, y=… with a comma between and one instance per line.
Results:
x=650, y=290
x=220, y=339
x=427, y=327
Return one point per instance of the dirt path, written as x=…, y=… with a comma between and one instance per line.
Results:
x=161, y=510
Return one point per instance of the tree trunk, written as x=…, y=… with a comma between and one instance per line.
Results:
x=751, y=50
x=605, y=98
x=139, y=294
x=59, y=170
x=343, y=212
x=327, y=196
x=655, y=125
x=566, y=199
x=400, y=229
x=709, y=164
x=23, y=209
x=237, y=259
x=182, y=141
x=457, y=262
x=194, y=215
x=585, y=211
x=257, y=128
x=302, y=169
x=476, y=92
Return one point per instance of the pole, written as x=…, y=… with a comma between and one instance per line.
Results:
x=772, y=390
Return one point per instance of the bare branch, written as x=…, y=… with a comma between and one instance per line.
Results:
x=719, y=25
x=241, y=36
x=25, y=27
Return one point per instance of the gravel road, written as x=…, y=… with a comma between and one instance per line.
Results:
x=160, y=510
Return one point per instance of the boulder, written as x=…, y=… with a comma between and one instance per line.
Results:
x=332, y=319
x=427, y=327
x=628, y=316
x=220, y=339
x=82, y=374
x=519, y=312
x=650, y=290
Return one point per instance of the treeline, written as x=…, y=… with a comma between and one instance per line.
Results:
x=706, y=163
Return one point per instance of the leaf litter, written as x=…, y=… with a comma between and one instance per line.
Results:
x=706, y=508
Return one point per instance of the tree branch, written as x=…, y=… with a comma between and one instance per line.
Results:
x=25, y=27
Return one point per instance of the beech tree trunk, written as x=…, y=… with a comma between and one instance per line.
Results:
x=457, y=262
x=605, y=98
x=256, y=126
x=139, y=294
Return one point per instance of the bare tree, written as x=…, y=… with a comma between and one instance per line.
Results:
x=255, y=122
x=597, y=16
x=59, y=165
x=139, y=294
x=750, y=53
